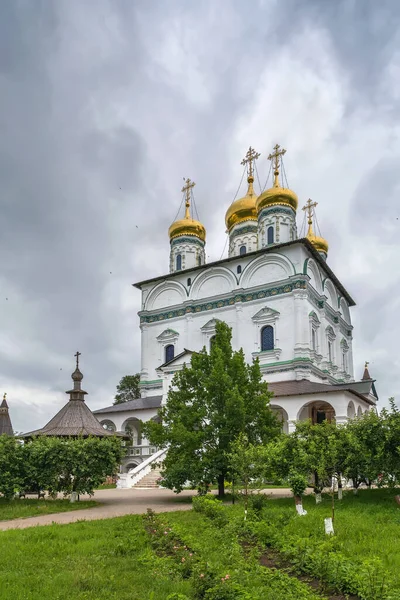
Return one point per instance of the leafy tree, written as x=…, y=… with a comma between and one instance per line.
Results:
x=364, y=451
x=10, y=466
x=128, y=389
x=44, y=460
x=87, y=462
x=246, y=463
x=209, y=404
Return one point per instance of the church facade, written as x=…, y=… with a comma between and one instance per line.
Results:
x=276, y=291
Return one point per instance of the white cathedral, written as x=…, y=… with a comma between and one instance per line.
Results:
x=276, y=291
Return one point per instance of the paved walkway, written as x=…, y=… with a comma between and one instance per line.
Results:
x=117, y=503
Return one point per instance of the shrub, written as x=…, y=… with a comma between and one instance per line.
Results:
x=211, y=508
x=226, y=590
x=257, y=502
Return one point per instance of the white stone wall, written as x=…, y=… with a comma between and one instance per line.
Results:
x=293, y=315
x=283, y=222
x=241, y=236
x=192, y=253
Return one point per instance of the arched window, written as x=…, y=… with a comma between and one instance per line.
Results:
x=313, y=339
x=267, y=338
x=189, y=282
x=239, y=269
x=270, y=235
x=330, y=353
x=179, y=262
x=199, y=260
x=169, y=352
x=242, y=250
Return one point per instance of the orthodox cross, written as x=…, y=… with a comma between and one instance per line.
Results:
x=275, y=156
x=366, y=364
x=5, y=396
x=187, y=190
x=308, y=208
x=77, y=359
x=249, y=159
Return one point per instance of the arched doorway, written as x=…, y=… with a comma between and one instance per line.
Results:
x=129, y=466
x=133, y=428
x=317, y=411
x=282, y=416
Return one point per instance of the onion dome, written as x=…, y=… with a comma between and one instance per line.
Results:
x=187, y=225
x=277, y=195
x=244, y=209
x=319, y=243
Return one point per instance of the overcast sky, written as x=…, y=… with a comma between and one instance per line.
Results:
x=106, y=105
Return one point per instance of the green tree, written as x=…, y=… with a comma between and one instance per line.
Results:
x=11, y=475
x=209, y=404
x=86, y=462
x=364, y=453
x=128, y=389
x=43, y=462
x=246, y=464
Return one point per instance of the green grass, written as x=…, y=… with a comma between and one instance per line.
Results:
x=366, y=541
x=15, y=509
x=96, y=560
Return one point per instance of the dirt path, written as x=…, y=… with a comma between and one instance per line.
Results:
x=117, y=503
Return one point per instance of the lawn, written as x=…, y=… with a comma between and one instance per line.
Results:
x=178, y=555
x=15, y=509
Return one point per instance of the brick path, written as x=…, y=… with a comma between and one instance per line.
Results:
x=116, y=503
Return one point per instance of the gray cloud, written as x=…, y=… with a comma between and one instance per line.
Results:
x=105, y=106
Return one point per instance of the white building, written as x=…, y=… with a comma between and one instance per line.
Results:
x=284, y=304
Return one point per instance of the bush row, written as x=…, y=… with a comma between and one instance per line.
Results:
x=57, y=465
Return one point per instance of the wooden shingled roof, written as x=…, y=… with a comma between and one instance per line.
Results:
x=75, y=418
x=5, y=421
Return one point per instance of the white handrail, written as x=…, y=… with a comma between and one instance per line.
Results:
x=137, y=473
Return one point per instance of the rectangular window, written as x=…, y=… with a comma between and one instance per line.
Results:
x=330, y=351
x=313, y=340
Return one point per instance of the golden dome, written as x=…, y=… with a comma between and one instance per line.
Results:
x=319, y=243
x=277, y=194
x=187, y=225
x=243, y=209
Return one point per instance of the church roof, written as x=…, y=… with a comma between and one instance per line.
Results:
x=304, y=386
x=303, y=241
x=75, y=418
x=137, y=404
x=177, y=357
x=5, y=421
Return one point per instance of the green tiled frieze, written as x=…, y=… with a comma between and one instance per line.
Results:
x=244, y=230
x=247, y=297
x=277, y=210
x=187, y=239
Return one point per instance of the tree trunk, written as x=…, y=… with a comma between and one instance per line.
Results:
x=221, y=486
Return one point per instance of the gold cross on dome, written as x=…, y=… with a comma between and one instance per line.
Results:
x=77, y=355
x=251, y=156
x=275, y=156
x=366, y=364
x=308, y=208
x=5, y=396
x=187, y=190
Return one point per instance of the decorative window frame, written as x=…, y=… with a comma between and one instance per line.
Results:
x=330, y=340
x=314, y=326
x=167, y=337
x=208, y=331
x=344, y=349
x=266, y=316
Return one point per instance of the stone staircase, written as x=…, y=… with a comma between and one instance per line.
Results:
x=149, y=480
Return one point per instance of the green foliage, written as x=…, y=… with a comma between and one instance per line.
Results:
x=227, y=590
x=128, y=389
x=209, y=404
x=56, y=464
x=10, y=466
x=298, y=483
x=212, y=508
